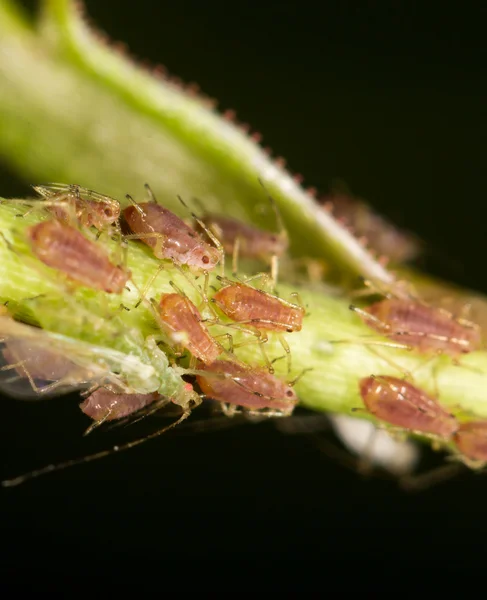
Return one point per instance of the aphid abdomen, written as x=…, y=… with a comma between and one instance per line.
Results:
x=402, y=404
x=244, y=386
x=64, y=248
x=424, y=327
x=183, y=320
x=253, y=242
x=242, y=303
x=106, y=405
x=471, y=440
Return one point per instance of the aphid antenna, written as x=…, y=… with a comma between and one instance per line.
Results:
x=294, y=381
x=200, y=205
x=136, y=206
x=92, y=457
x=150, y=194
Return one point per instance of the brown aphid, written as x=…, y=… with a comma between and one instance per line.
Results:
x=104, y=405
x=252, y=241
x=169, y=237
x=381, y=235
x=183, y=322
x=89, y=208
x=248, y=387
x=425, y=328
x=66, y=249
x=402, y=404
x=471, y=440
x=241, y=239
x=263, y=311
x=247, y=305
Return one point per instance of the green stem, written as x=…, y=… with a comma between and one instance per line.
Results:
x=331, y=385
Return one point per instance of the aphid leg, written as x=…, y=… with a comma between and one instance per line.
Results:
x=99, y=422
x=406, y=374
x=38, y=390
x=274, y=270
x=287, y=350
x=229, y=338
x=92, y=457
x=148, y=285
x=209, y=233
x=143, y=413
x=229, y=410
x=262, y=339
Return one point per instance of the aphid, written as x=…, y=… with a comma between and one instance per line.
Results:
x=400, y=403
x=471, y=440
x=426, y=328
x=90, y=208
x=104, y=405
x=39, y=364
x=180, y=318
x=241, y=239
x=249, y=387
x=266, y=313
x=66, y=249
x=169, y=236
x=381, y=235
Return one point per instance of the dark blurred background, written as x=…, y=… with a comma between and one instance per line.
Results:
x=389, y=97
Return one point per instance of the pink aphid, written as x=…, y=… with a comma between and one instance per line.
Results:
x=66, y=249
x=245, y=304
x=249, y=387
x=252, y=242
x=88, y=207
x=400, y=403
x=381, y=235
x=169, y=237
x=426, y=328
x=471, y=440
x=108, y=406
x=183, y=322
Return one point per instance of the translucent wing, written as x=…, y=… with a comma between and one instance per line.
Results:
x=37, y=364
x=47, y=190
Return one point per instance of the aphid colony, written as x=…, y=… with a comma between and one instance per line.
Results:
x=432, y=331
x=203, y=340
x=71, y=242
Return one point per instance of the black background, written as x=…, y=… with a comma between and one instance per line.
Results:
x=388, y=96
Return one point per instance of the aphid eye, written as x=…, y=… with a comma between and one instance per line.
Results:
x=108, y=212
x=289, y=330
x=205, y=259
x=289, y=393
